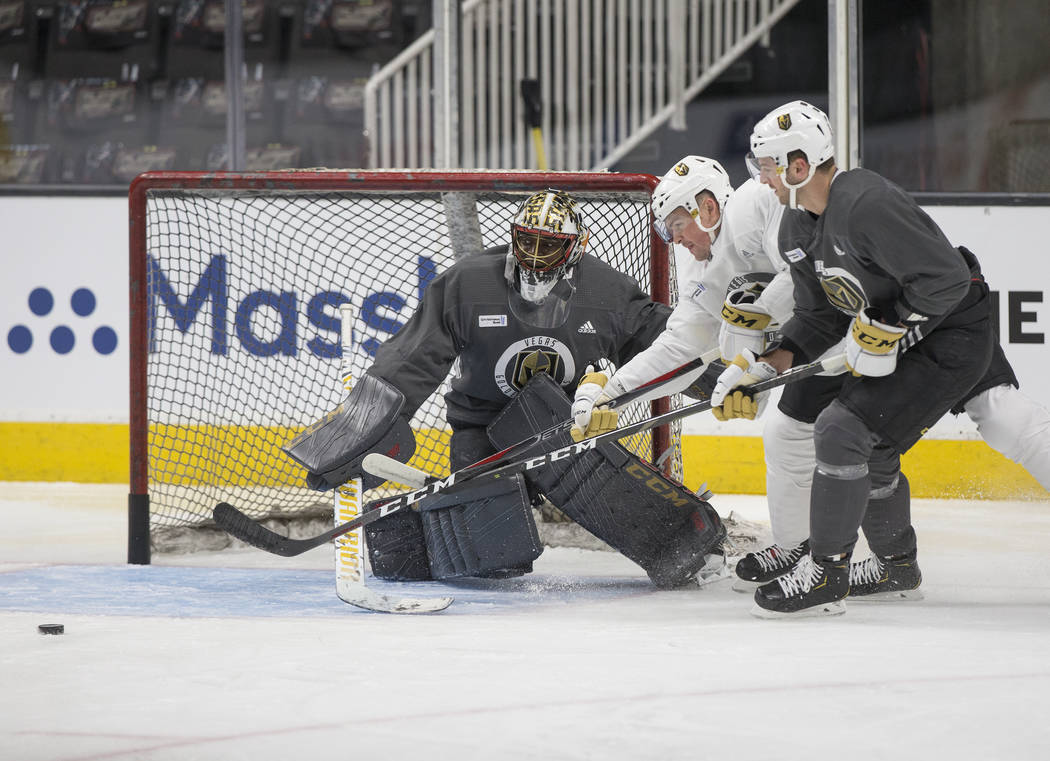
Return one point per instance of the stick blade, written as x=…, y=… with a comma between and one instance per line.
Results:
x=240, y=526
x=360, y=596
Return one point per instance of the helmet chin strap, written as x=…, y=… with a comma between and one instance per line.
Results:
x=792, y=189
x=713, y=229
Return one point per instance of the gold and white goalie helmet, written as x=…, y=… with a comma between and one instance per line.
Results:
x=682, y=184
x=548, y=238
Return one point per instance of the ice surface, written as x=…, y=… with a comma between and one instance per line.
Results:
x=243, y=655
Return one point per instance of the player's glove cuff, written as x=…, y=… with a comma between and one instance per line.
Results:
x=589, y=419
x=872, y=346
x=744, y=324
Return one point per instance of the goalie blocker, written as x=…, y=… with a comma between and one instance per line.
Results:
x=489, y=529
x=368, y=420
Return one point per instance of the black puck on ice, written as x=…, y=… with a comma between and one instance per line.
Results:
x=51, y=629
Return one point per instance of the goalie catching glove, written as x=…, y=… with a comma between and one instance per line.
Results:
x=590, y=416
x=731, y=397
x=872, y=346
x=744, y=323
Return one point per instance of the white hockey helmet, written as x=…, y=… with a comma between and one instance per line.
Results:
x=548, y=237
x=680, y=187
x=795, y=126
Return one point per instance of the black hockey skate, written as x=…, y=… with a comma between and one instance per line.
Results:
x=811, y=588
x=894, y=578
x=757, y=568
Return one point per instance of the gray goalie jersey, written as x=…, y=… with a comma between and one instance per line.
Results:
x=465, y=314
x=872, y=247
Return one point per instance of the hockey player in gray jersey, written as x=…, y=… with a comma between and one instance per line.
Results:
x=517, y=326
x=732, y=235
x=869, y=264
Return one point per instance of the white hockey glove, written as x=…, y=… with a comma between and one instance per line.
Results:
x=731, y=397
x=589, y=416
x=744, y=324
x=872, y=346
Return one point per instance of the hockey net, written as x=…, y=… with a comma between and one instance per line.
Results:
x=236, y=286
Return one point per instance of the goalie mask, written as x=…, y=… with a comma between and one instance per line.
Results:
x=548, y=238
x=795, y=126
x=681, y=185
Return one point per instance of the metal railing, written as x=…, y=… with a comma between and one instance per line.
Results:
x=610, y=73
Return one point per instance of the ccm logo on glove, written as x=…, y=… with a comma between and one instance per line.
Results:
x=743, y=324
x=872, y=346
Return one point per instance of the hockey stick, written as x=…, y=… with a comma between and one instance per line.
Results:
x=650, y=386
x=351, y=585
x=381, y=466
x=496, y=466
x=390, y=469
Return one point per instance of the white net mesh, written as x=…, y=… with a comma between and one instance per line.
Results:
x=244, y=289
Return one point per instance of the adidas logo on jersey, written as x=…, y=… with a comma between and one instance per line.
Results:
x=587, y=328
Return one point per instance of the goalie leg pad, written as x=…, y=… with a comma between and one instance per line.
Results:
x=487, y=530
x=484, y=530
x=397, y=548
x=657, y=523
x=368, y=420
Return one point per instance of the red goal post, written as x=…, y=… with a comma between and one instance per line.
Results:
x=236, y=283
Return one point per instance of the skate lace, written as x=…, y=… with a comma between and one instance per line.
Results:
x=775, y=556
x=867, y=571
x=802, y=577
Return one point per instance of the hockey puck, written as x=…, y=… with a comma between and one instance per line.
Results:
x=51, y=629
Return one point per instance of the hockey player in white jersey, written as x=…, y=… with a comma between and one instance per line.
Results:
x=732, y=236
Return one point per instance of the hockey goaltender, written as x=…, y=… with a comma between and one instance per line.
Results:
x=523, y=323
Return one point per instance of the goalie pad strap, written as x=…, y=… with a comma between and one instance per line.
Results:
x=368, y=420
x=483, y=530
x=657, y=523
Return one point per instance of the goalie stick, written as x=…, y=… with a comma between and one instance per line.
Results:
x=350, y=583
x=381, y=466
x=350, y=577
x=498, y=465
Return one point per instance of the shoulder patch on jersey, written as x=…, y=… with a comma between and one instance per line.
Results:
x=492, y=320
x=795, y=255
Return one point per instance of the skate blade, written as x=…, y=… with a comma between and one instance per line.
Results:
x=835, y=608
x=894, y=596
x=710, y=577
x=743, y=585
x=709, y=582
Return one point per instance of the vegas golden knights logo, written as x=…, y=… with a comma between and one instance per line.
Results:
x=531, y=356
x=681, y=169
x=844, y=295
x=784, y=121
x=529, y=363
